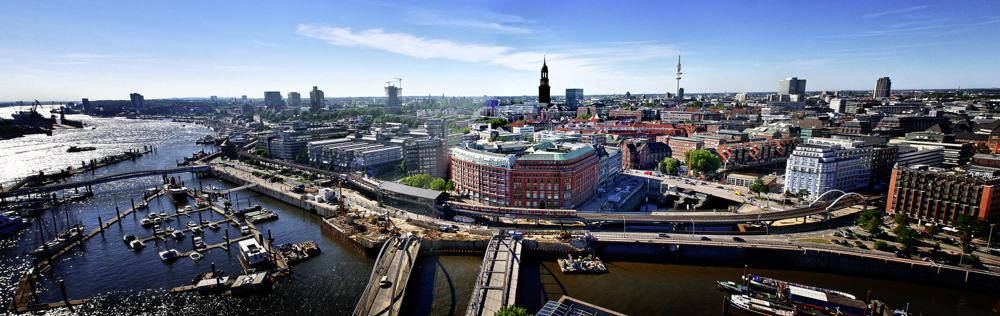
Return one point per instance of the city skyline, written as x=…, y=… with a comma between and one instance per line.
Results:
x=68, y=51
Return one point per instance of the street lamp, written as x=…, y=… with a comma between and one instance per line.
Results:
x=990, y=238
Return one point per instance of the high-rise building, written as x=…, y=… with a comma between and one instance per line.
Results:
x=215, y=98
x=392, y=96
x=294, y=99
x=940, y=195
x=316, y=100
x=137, y=101
x=882, y=87
x=680, y=93
x=543, y=88
x=574, y=96
x=792, y=85
x=244, y=98
x=272, y=99
x=823, y=164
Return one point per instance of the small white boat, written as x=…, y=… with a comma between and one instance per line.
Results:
x=188, y=208
x=146, y=222
x=245, y=230
x=178, y=234
x=168, y=255
x=157, y=230
x=153, y=215
x=205, y=222
x=213, y=226
x=192, y=224
x=196, y=230
x=195, y=256
x=128, y=238
x=169, y=229
x=137, y=245
x=142, y=205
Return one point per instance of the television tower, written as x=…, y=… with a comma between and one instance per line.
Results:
x=678, y=90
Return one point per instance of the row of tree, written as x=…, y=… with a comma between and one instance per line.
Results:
x=701, y=161
x=426, y=181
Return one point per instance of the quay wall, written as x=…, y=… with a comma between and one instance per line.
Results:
x=805, y=259
x=287, y=197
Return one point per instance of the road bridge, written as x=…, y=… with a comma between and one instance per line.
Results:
x=102, y=179
x=496, y=285
x=394, y=263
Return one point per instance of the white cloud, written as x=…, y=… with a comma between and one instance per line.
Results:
x=419, y=47
x=875, y=15
x=490, y=22
x=264, y=44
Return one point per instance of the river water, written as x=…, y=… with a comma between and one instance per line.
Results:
x=122, y=282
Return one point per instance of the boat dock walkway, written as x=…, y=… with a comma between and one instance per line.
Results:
x=395, y=262
x=218, y=245
x=496, y=285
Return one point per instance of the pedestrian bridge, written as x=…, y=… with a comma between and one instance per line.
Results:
x=107, y=178
x=496, y=285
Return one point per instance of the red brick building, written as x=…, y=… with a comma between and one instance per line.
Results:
x=544, y=176
x=939, y=195
x=641, y=154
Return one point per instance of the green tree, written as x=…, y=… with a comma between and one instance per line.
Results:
x=871, y=221
x=702, y=161
x=450, y=186
x=438, y=184
x=908, y=237
x=966, y=241
x=402, y=166
x=932, y=229
x=262, y=127
x=970, y=224
x=668, y=166
x=803, y=193
x=881, y=245
x=302, y=156
x=900, y=219
x=759, y=187
x=512, y=311
x=420, y=181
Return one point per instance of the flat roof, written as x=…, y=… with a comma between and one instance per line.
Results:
x=408, y=190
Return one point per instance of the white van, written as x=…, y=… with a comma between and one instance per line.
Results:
x=384, y=282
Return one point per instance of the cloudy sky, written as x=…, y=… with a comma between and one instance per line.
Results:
x=67, y=50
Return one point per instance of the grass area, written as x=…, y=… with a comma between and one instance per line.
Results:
x=814, y=240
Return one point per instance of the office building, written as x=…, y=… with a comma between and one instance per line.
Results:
x=544, y=176
x=316, y=100
x=392, y=96
x=244, y=98
x=287, y=143
x=427, y=156
x=824, y=164
x=543, y=87
x=574, y=97
x=928, y=156
x=272, y=99
x=137, y=102
x=939, y=195
x=215, y=98
x=955, y=153
x=792, y=85
x=294, y=99
x=882, y=87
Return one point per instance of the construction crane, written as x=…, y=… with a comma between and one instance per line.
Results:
x=400, y=82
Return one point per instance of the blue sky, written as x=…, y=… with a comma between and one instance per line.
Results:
x=67, y=50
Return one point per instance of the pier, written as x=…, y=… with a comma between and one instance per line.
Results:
x=113, y=177
x=394, y=264
x=496, y=285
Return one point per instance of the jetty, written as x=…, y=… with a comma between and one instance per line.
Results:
x=496, y=285
x=384, y=293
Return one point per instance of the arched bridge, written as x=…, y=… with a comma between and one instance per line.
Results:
x=102, y=179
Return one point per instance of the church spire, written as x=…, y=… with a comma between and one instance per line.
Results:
x=543, y=87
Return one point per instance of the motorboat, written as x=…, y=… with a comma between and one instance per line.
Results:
x=245, y=230
x=81, y=196
x=137, y=244
x=178, y=234
x=157, y=230
x=195, y=256
x=192, y=224
x=169, y=230
x=162, y=214
x=199, y=242
x=11, y=223
x=142, y=205
x=197, y=230
x=205, y=222
x=168, y=255
x=153, y=215
x=188, y=208
x=146, y=222
x=213, y=226
x=150, y=192
x=128, y=238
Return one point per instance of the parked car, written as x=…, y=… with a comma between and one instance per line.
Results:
x=836, y=241
x=664, y=235
x=993, y=251
x=738, y=239
x=703, y=238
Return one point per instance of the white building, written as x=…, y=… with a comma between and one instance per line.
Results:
x=527, y=131
x=823, y=164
